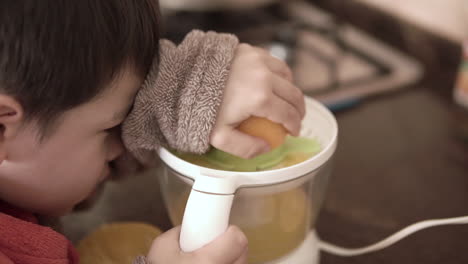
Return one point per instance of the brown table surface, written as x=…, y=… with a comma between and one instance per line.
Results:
x=398, y=162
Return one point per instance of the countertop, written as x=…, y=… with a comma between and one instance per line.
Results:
x=398, y=162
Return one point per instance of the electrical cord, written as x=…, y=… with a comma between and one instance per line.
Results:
x=348, y=252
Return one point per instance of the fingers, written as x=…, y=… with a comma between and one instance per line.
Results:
x=165, y=248
x=229, y=248
x=290, y=93
x=243, y=258
x=231, y=140
x=279, y=111
x=276, y=65
x=281, y=82
x=258, y=85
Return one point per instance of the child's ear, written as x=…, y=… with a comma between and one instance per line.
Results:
x=11, y=118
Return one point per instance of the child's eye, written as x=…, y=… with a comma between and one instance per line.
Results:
x=112, y=129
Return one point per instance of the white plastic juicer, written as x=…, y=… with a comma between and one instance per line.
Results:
x=276, y=209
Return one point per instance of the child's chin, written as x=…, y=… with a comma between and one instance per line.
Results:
x=91, y=200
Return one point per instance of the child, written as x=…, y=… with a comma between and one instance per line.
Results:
x=69, y=72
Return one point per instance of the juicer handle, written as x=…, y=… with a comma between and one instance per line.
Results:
x=206, y=214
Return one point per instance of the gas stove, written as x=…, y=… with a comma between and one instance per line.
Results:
x=332, y=61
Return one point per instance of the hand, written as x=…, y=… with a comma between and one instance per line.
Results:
x=258, y=85
x=229, y=248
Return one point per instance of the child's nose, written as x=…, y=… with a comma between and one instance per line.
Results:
x=115, y=147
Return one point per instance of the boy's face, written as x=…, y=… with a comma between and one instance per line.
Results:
x=52, y=176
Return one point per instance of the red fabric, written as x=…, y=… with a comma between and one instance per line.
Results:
x=24, y=241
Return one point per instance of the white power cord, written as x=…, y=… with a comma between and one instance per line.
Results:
x=347, y=252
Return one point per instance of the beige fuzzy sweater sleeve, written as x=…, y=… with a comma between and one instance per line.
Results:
x=141, y=260
x=177, y=105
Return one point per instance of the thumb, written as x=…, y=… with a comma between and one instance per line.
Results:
x=237, y=143
x=226, y=249
x=165, y=248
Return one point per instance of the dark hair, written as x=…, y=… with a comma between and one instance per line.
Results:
x=58, y=54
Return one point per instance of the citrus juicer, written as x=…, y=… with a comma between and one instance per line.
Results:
x=276, y=209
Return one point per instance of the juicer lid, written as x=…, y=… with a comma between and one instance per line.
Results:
x=318, y=123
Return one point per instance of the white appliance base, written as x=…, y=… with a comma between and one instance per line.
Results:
x=306, y=253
